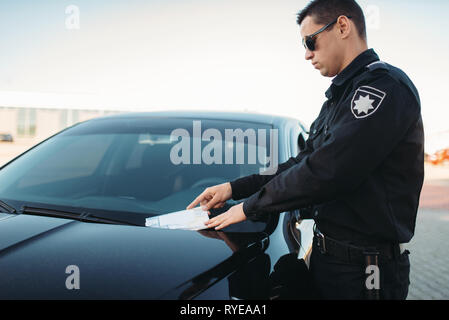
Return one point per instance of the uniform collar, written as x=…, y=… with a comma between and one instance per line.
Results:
x=362, y=60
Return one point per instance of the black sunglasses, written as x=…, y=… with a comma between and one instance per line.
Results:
x=309, y=41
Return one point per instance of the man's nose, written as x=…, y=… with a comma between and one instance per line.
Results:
x=309, y=54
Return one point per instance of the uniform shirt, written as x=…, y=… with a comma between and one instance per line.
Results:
x=361, y=172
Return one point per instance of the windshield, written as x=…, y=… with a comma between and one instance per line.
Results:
x=128, y=165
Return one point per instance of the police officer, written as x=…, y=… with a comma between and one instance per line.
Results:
x=361, y=173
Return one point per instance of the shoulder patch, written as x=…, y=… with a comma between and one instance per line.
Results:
x=366, y=101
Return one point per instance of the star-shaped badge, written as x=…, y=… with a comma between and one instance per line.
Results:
x=366, y=101
x=364, y=104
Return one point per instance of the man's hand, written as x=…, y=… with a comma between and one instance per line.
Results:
x=213, y=197
x=234, y=215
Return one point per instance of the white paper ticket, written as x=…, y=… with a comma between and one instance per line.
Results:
x=192, y=219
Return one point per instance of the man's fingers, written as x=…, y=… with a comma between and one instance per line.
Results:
x=212, y=197
x=211, y=203
x=219, y=222
x=210, y=223
x=194, y=203
x=233, y=215
x=222, y=225
x=201, y=198
x=215, y=221
x=219, y=205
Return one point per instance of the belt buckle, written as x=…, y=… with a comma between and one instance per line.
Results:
x=321, y=242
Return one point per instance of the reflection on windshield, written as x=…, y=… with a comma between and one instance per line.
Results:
x=123, y=171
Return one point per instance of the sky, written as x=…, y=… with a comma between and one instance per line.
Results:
x=202, y=54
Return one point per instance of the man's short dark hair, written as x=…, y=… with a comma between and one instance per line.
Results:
x=326, y=11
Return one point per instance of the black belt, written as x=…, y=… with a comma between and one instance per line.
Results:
x=354, y=254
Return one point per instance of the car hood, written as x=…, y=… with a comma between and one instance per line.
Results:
x=114, y=261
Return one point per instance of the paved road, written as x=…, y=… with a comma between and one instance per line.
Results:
x=429, y=258
x=429, y=275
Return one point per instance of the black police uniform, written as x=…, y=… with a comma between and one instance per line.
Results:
x=359, y=177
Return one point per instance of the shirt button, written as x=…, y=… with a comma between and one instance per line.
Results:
x=314, y=131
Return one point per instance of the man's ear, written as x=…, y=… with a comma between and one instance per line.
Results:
x=344, y=26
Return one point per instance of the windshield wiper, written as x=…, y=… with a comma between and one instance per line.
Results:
x=84, y=216
x=7, y=207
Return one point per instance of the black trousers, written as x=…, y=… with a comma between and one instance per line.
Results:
x=336, y=280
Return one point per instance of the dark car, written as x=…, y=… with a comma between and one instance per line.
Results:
x=6, y=137
x=73, y=211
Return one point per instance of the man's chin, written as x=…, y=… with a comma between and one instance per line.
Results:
x=326, y=73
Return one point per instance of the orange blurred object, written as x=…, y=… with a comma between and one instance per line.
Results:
x=439, y=157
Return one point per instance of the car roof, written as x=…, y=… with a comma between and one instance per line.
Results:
x=274, y=120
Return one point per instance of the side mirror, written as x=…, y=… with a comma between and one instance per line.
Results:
x=301, y=142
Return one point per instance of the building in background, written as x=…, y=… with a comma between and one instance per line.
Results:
x=32, y=125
